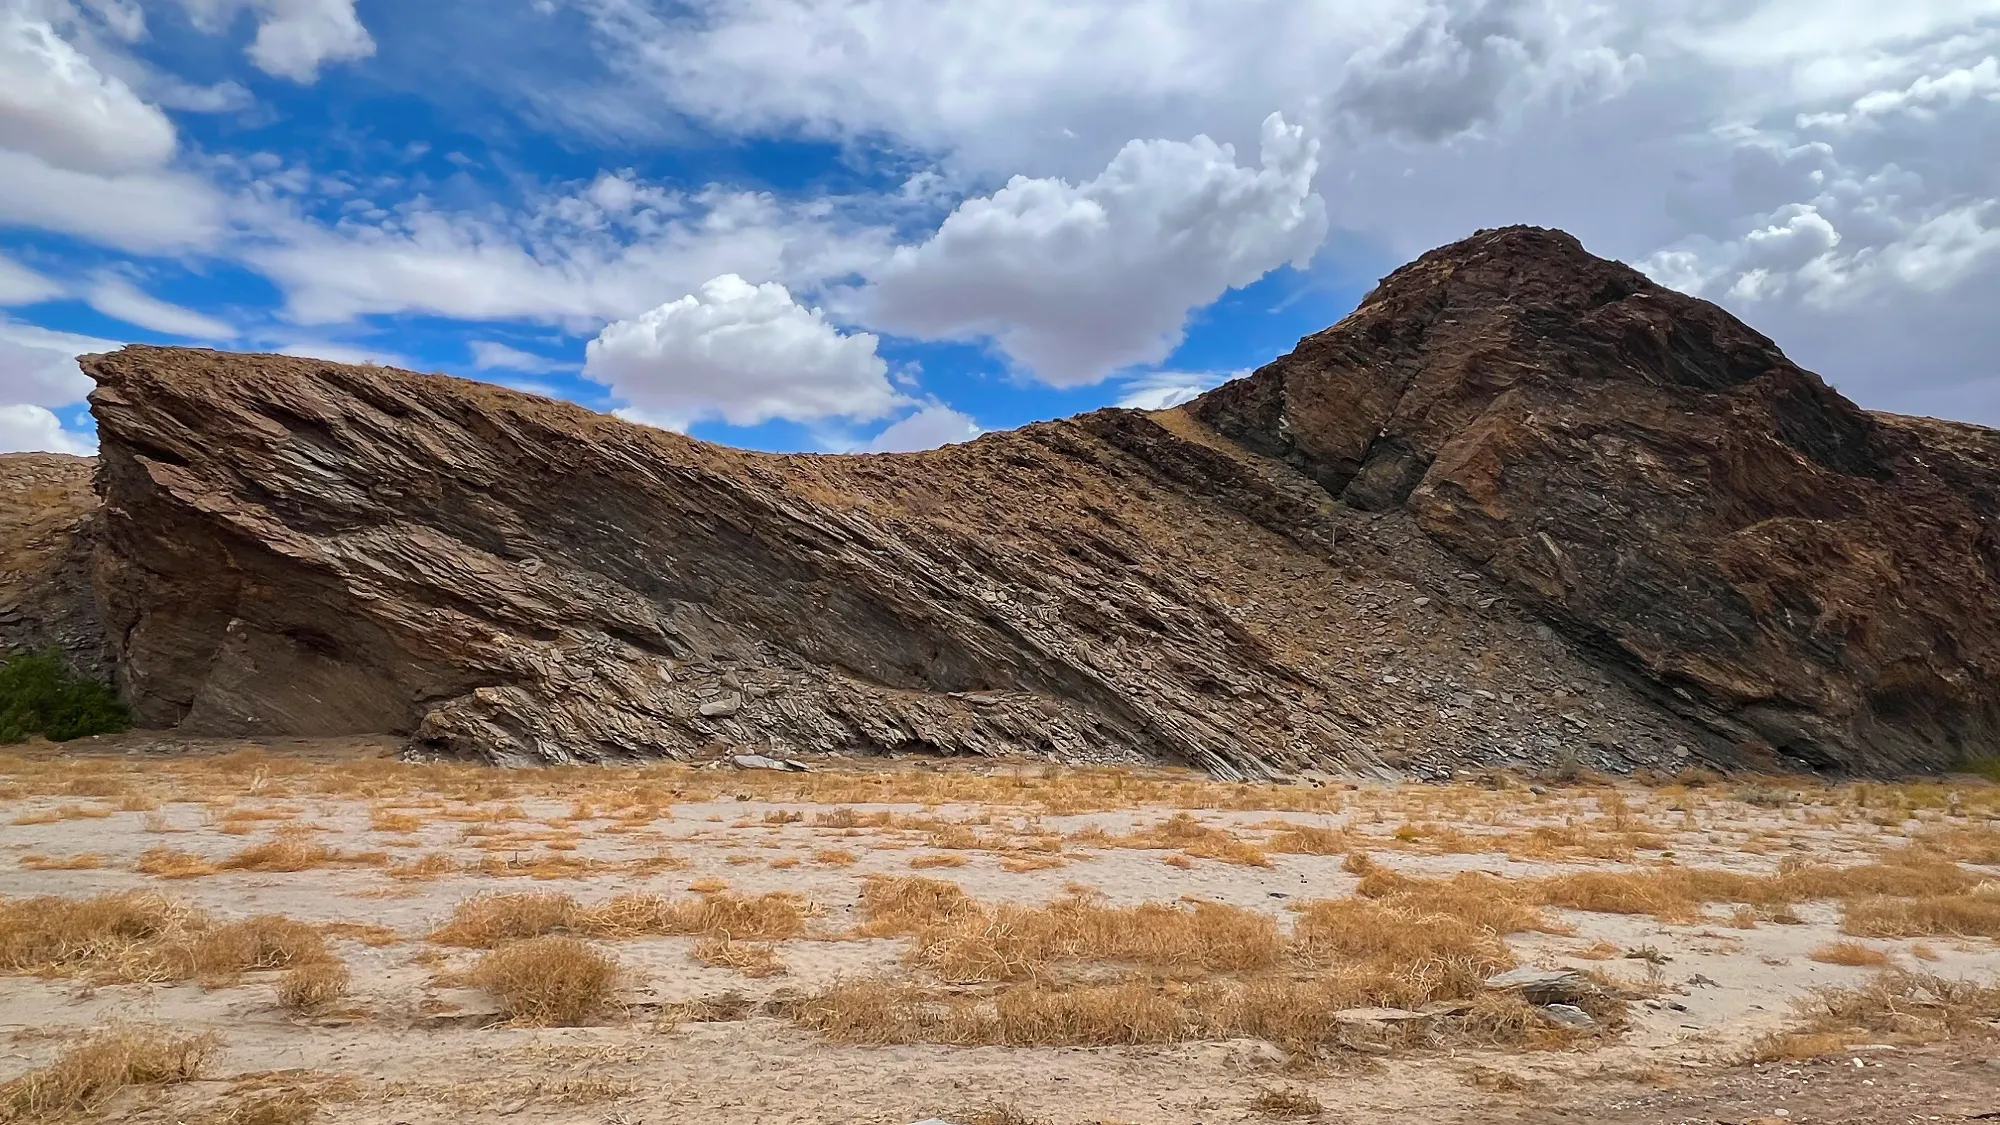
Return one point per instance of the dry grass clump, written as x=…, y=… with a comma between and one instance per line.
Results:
x=134, y=937
x=751, y=960
x=93, y=1071
x=87, y=861
x=892, y=907
x=487, y=921
x=288, y=849
x=1851, y=953
x=429, y=865
x=389, y=820
x=1306, y=839
x=282, y=1107
x=936, y=859
x=1297, y=1014
x=1968, y=915
x=1013, y=943
x=1286, y=1103
x=312, y=986
x=167, y=863
x=1898, y=1008
x=548, y=981
x=835, y=857
x=491, y=920
x=1189, y=836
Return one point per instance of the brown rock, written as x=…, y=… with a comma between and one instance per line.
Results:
x=1680, y=541
x=1660, y=483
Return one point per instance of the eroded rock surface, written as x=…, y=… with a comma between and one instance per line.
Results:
x=46, y=522
x=1666, y=488
x=1523, y=505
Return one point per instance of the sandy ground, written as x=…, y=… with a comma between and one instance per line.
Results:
x=409, y=1047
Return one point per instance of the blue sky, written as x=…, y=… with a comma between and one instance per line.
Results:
x=858, y=224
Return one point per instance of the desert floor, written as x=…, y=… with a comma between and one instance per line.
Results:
x=266, y=935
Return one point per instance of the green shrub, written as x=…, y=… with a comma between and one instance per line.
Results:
x=40, y=695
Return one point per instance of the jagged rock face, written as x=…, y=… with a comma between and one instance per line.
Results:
x=1662, y=485
x=46, y=602
x=291, y=546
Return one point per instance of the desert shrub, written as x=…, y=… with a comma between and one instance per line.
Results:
x=40, y=695
x=548, y=981
x=91, y=1072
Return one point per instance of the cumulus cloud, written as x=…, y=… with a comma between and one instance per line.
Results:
x=36, y=429
x=58, y=108
x=934, y=425
x=294, y=37
x=1073, y=282
x=38, y=366
x=121, y=300
x=743, y=353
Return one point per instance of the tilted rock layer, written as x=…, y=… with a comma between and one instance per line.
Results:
x=1523, y=504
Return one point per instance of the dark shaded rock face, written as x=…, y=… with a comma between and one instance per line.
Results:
x=1523, y=505
x=1663, y=486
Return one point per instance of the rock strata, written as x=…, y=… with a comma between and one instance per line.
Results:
x=1522, y=508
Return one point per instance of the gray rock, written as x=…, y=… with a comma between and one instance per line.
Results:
x=1569, y=1015
x=760, y=762
x=722, y=708
x=1544, y=986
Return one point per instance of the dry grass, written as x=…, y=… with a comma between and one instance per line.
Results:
x=1965, y=915
x=708, y=885
x=312, y=986
x=1017, y=943
x=1897, y=1008
x=548, y=981
x=936, y=859
x=292, y=849
x=1297, y=1014
x=1286, y=1103
x=93, y=1071
x=487, y=921
x=167, y=863
x=87, y=861
x=749, y=959
x=835, y=857
x=1306, y=839
x=1851, y=953
x=134, y=936
x=282, y=1107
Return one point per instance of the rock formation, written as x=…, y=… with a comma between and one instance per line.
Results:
x=1522, y=505
x=1660, y=483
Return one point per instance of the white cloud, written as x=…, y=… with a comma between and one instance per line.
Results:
x=1158, y=390
x=120, y=300
x=38, y=366
x=611, y=249
x=294, y=37
x=151, y=212
x=741, y=352
x=56, y=106
x=334, y=352
x=488, y=355
x=1075, y=282
x=26, y=429
x=934, y=425
x=20, y=285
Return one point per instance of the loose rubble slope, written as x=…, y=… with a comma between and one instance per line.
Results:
x=1522, y=505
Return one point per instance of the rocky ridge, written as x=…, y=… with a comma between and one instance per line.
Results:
x=1522, y=506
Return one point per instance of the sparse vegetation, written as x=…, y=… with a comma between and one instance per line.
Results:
x=94, y=1070
x=40, y=695
x=548, y=981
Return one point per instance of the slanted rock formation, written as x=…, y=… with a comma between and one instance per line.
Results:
x=1523, y=505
